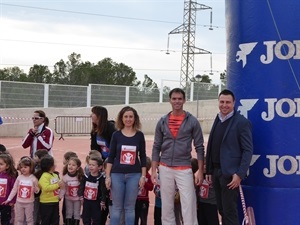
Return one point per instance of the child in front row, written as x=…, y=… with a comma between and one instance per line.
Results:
x=72, y=176
x=38, y=155
x=8, y=175
x=207, y=212
x=25, y=187
x=67, y=156
x=93, y=192
x=50, y=185
x=142, y=202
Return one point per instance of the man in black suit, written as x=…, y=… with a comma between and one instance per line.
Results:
x=229, y=152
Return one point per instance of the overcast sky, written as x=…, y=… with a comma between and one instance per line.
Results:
x=134, y=32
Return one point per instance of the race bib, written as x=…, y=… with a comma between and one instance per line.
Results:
x=25, y=189
x=91, y=190
x=103, y=145
x=3, y=187
x=128, y=154
x=55, y=180
x=204, y=189
x=142, y=192
x=73, y=187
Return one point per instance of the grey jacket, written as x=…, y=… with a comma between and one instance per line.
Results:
x=177, y=151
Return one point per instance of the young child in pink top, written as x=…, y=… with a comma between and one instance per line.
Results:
x=72, y=176
x=25, y=187
x=8, y=174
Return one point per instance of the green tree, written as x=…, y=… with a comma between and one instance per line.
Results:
x=60, y=73
x=110, y=72
x=83, y=74
x=39, y=74
x=74, y=69
x=13, y=74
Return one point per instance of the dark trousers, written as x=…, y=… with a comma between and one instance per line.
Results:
x=63, y=211
x=157, y=216
x=226, y=198
x=49, y=213
x=5, y=211
x=91, y=213
x=104, y=215
x=141, y=212
x=207, y=214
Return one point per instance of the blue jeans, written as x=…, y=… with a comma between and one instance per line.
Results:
x=124, y=191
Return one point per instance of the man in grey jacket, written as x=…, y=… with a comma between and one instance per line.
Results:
x=171, y=151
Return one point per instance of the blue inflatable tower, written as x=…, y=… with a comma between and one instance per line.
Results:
x=263, y=70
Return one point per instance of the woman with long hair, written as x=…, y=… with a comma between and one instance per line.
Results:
x=126, y=165
x=102, y=131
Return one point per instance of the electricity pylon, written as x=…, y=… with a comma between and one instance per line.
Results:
x=188, y=31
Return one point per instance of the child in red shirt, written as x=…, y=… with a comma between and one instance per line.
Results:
x=142, y=202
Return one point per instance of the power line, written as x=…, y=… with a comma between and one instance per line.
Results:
x=93, y=46
x=82, y=45
x=101, y=15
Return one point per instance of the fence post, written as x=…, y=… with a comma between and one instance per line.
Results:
x=192, y=91
x=127, y=95
x=220, y=86
x=46, y=95
x=161, y=90
x=88, y=96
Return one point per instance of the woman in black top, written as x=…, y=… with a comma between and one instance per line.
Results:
x=102, y=131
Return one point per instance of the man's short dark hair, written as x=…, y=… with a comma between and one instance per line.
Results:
x=227, y=92
x=177, y=90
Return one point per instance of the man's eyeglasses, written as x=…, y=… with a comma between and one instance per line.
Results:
x=36, y=118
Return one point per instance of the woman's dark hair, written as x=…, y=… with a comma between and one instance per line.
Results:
x=46, y=121
x=137, y=123
x=43, y=115
x=26, y=161
x=80, y=172
x=102, y=115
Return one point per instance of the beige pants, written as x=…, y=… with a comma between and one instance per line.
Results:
x=24, y=209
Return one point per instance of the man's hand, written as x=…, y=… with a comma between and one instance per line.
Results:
x=208, y=178
x=235, y=182
x=154, y=177
x=199, y=178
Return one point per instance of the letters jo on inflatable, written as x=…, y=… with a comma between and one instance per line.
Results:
x=263, y=70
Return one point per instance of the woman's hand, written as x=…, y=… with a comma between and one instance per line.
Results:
x=108, y=182
x=142, y=182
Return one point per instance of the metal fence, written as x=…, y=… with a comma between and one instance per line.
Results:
x=37, y=95
x=72, y=125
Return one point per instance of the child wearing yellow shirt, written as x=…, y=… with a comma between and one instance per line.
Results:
x=49, y=198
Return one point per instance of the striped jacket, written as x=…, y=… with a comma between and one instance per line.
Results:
x=42, y=140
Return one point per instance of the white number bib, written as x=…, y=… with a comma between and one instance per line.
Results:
x=128, y=154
